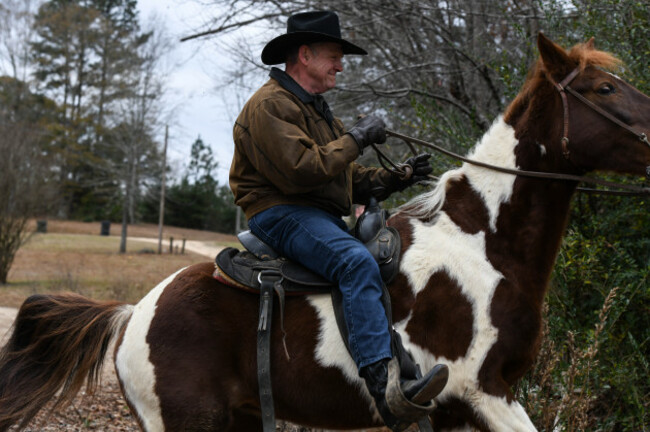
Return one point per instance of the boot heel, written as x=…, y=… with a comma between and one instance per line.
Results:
x=436, y=380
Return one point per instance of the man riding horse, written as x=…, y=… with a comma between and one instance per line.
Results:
x=294, y=175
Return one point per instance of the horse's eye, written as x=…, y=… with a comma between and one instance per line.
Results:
x=606, y=89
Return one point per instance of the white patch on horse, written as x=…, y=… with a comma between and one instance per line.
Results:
x=495, y=188
x=330, y=349
x=501, y=415
x=132, y=363
x=462, y=257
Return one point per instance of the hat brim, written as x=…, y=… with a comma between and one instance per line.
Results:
x=275, y=52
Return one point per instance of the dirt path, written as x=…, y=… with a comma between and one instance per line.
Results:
x=7, y=316
x=198, y=247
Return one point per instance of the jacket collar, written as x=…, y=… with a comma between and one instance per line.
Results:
x=289, y=84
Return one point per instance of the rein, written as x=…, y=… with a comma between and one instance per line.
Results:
x=402, y=170
x=398, y=169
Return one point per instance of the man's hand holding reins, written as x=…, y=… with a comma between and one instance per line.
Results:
x=368, y=130
x=420, y=169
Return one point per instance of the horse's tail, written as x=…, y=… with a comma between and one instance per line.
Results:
x=58, y=342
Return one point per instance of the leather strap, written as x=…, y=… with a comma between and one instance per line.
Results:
x=565, y=106
x=268, y=278
x=627, y=189
x=642, y=137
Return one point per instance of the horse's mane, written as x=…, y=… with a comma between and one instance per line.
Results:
x=426, y=205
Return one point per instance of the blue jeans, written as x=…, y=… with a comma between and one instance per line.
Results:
x=321, y=242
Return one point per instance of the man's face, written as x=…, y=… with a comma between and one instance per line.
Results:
x=324, y=62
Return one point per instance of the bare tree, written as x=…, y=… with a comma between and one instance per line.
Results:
x=137, y=118
x=16, y=21
x=24, y=187
x=14, y=211
x=460, y=60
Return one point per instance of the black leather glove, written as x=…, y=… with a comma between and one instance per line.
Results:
x=420, y=167
x=368, y=130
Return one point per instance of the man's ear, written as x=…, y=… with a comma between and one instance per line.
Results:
x=304, y=54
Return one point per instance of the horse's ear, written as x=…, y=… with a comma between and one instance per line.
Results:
x=590, y=43
x=554, y=57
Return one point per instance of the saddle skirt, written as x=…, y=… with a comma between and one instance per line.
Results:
x=242, y=269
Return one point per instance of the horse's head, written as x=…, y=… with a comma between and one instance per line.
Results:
x=575, y=134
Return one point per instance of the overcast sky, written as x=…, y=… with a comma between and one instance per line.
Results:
x=199, y=108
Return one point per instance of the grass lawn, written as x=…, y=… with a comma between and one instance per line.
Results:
x=89, y=265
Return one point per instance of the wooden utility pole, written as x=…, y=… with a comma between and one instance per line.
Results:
x=161, y=216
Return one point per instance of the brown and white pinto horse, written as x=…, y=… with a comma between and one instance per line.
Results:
x=477, y=254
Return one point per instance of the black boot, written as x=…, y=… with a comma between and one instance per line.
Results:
x=402, y=403
x=376, y=377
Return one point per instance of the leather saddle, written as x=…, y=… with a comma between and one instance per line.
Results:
x=242, y=269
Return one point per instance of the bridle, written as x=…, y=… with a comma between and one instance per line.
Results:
x=563, y=87
x=403, y=171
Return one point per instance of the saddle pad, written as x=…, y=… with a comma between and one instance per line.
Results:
x=241, y=269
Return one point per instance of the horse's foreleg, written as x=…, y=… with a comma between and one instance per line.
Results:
x=499, y=414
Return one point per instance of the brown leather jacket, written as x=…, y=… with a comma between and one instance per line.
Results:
x=287, y=153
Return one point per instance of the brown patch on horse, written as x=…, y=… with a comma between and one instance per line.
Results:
x=201, y=381
x=519, y=322
x=465, y=207
x=186, y=373
x=58, y=342
x=454, y=414
x=524, y=254
x=442, y=319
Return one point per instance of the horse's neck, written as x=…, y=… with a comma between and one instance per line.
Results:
x=520, y=220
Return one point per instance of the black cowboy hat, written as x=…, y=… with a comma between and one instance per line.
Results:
x=306, y=28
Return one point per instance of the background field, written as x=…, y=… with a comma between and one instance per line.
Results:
x=72, y=256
